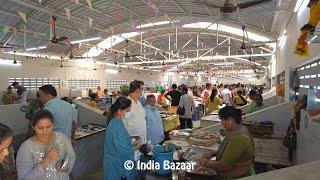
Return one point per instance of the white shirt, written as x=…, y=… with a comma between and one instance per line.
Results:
x=136, y=123
x=226, y=96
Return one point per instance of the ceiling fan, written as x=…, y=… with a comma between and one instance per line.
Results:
x=70, y=53
x=230, y=6
x=55, y=39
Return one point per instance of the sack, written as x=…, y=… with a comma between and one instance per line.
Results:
x=290, y=140
x=181, y=111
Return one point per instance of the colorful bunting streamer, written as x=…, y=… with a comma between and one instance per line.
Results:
x=157, y=10
x=81, y=32
x=90, y=21
x=117, y=16
x=149, y=2
x=1, y=29
x=89, y=4
x=111, y=30
x=68, y=12
x=75, y=1
x=133, y=25
x=23, y=16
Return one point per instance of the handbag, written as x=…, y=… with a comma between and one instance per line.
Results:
x=181, y=111
x=290, y=140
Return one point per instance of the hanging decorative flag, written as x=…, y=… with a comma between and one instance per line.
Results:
x=90, y=21
x=149, y=2
x=157, y=10
x=75, y=1
x=6, y=28
x=78, y=47
x=23, y=16
x=89, y=4
x=66, y=42
x=1, y=29
x=39, y=1
x=117, y=16
x=81, y=32
x=153, y=6
x=111, y=30
x=133, y=25
x=67, y=11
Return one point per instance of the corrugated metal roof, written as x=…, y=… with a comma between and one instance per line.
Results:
x=103, y=15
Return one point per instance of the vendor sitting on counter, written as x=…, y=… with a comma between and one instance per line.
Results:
x=161, y=98
x=235, y=155
x=94, y=99
x=258, y=103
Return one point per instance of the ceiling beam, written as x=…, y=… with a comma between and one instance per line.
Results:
x=206, y=33
x=126, y=8
x=179, y=6
x=39, y=22
x=204, y=58
x=207, y=9
x=275, y=16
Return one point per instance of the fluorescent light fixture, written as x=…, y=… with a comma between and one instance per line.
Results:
x=314, y=65
x=228, y=29
x=313, y=76
x=298, y=4
x=112, y=71
x=85, y=40
x=317, y=99
x=108, y=43
x=153, y=24
x=9, y=62
x=307, y=77
x=36, y=48
x=180, y=77
x=307, y=67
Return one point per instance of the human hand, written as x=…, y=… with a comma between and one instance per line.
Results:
x=50, y=156
x=207, y=155
x=64, y=169
x=201, y=162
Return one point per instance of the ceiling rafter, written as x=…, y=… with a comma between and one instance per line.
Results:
x=179, y=6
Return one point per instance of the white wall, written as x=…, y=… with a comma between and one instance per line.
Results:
x=49, y=70
x=285, y=55
x=286, y=59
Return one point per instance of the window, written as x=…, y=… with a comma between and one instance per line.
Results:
x=115, y=83
x=83, y=83
x=309, y=75
x=35, y=83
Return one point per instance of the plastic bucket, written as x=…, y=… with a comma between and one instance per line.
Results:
x=161, y=154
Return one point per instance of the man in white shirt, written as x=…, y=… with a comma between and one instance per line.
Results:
x=226, y=96
x=136, y=122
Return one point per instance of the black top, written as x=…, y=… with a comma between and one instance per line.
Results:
x=175, y=95
x=20, y=90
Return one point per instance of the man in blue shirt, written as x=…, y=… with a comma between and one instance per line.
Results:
x=62, y=111
x=155, y=132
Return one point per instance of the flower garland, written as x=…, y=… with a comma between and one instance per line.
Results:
x=302, y=47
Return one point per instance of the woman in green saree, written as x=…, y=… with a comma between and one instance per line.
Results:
x=235, y=155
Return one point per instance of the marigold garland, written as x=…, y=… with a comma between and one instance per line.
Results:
x=302, y=47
